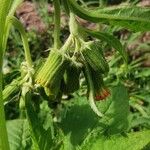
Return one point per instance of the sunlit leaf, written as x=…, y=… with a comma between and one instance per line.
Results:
x=136, y=141
x=130, y=17
x=19, y=134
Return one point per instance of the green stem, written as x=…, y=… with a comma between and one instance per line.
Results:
x=20, y=28
x=3, y=131
x=57, y=24
x=68, y=43
x=74, y=28
x=102, y=4
x=91, y=92
x=4, y=10
x=4, y=144
x=11, y=88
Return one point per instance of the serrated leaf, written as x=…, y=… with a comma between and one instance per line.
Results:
x=19, y=134
x=42, y=138
x=136, y=141
x=111, y=40
x=116, y=110
x=130, y=17
x=80, y=120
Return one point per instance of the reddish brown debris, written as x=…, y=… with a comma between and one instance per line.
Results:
x=145, y=3
x=27, y=13
x=102, y=95
x=146, y=37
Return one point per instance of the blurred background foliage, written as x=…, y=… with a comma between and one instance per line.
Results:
x=37, y=18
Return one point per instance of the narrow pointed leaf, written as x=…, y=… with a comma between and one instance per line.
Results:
x=14, y=6
x=130, y=17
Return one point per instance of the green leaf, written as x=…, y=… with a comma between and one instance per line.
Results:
x=65, y=5
x=111, y=40
x=8, y=7
x=130, y=17
x=116, y=110
x=67, y=145
x=14, y=6
x=80, y=121
x=140, y=121
x=42, y=138
x=143, y=72
x=19, y=134
x=136, y=141
x=5, y=6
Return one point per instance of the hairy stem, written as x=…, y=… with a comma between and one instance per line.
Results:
x=68, y=43
x=57, y=24
x=74, y=28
